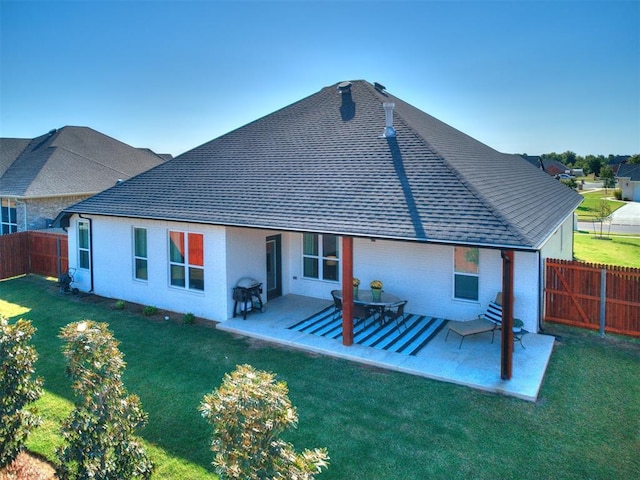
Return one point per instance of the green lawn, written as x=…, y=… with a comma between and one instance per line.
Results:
x=615, y=250
x=376, y=424
x=589, y=207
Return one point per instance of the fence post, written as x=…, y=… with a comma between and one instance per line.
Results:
x=58, y=262
x=603, y=299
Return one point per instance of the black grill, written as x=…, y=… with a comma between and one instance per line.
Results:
x=246, y=296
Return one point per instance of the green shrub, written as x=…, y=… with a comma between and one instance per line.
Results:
x=149, y=310
x=249, y=412
x=99, y=433
x=618, y=194
x=18, y=388
x=189, y=318
x=119, y=305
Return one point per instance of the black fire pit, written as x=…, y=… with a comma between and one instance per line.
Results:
x=246, y=296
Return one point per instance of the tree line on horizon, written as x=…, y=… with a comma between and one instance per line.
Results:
x=589, y=163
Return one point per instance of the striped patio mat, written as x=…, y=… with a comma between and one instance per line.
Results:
x=409, y=339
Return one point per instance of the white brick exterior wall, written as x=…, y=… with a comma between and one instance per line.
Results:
x=419, y=273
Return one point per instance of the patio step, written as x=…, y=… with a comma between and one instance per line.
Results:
x=413, y=335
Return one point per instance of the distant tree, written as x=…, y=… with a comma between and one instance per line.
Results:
x=100, y=431
x=551, y=157
x=607, y=177
x=18, y=388
x=634, y=159
x=602, y=213
x=249, y=412
x=569, y=158
x=596, y=163
x=581, y=162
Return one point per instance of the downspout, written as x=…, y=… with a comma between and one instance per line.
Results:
x=90, y=250
x=541, y=295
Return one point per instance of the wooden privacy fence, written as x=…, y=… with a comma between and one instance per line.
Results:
x=599, y=297
x=44, y=253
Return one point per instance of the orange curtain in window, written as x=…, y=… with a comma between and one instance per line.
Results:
x=196, y=249
x=176, y=247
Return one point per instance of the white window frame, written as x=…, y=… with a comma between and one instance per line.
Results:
x=466, y=274
x=321, y=258
x=139, y=258
x=81, y=249
x=188, y=267
x=5, y=221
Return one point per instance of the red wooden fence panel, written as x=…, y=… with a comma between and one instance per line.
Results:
x=48, y=253
x=14, y=254
x=44, y=253
x=623, y=300
x=574, y=295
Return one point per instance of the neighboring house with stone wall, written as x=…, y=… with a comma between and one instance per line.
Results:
x=42, y=176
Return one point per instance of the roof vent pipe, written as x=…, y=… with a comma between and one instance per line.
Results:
x=344, y=87
x=389, y=131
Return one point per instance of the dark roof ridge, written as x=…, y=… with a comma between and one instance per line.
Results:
x=462, y=178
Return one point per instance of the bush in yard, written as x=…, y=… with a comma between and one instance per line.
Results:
x=99, y=434
x=249, y=412
x=18, y=387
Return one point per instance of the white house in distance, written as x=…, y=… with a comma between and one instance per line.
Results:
x=629, y=181
x=429, y=210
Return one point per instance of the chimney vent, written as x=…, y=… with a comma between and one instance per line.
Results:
x=344, y=87
x=379, y=86
x=389, y=131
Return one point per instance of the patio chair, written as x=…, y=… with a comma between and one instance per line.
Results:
x=361, y=311
x=395, y=312
x=489, y=321
x=337, y=303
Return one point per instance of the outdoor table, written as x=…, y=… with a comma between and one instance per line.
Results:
x=365, y=297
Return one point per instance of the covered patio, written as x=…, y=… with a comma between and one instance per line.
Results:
x=475, y=363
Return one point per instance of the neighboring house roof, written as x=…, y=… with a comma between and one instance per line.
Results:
x=554, y=167
x=534, y=160
x=630, y=171
x=68, y=161
x=618, y=159
x=321, y=165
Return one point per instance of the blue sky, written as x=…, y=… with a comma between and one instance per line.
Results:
x=521, y=76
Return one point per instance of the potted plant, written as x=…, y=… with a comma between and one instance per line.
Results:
x=356, y=285
x=517, y=325
x=376, y=290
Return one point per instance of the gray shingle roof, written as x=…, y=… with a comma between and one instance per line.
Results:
x=630, y=170
x=321, y=165
x=68, y=161
x=10, y=149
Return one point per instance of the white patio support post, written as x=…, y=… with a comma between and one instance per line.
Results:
x=506, y=367
x=347, y=291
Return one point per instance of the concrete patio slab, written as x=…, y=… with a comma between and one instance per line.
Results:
x=476, y=364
